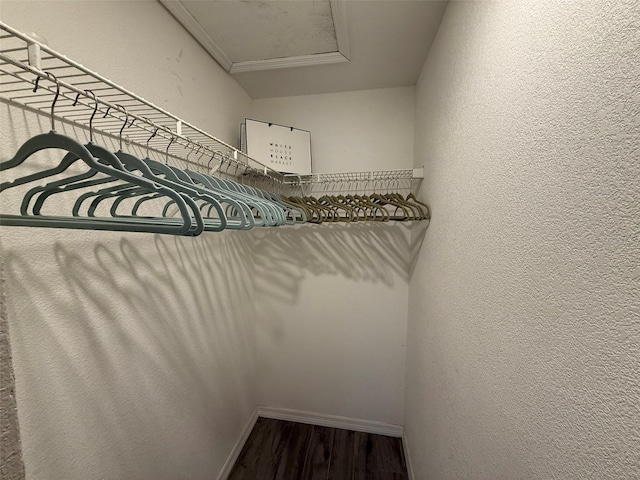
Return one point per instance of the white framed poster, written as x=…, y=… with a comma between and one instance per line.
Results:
x=285, y=149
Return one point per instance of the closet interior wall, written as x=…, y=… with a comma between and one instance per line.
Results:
x=332, y=306
x=524, y=315
x=134, y=354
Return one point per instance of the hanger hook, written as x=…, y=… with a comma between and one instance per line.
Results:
x=167, y=153
x=155, y=132
x=52, y=77
x=126, y=120
x=204, y=150
x=95, y=109
x=197, y=152
x=211, y=160
x=193, y=147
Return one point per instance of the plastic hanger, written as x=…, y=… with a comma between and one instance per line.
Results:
x=350, y=213
x=263, y=213
x=310, y=214
x=360, y=211
x=120, y=192
x=84, y=180
x=328, y=213
x=238, y=214
x=411, y=212
x=275, y=213
x=117, y=192
x=383, y=200
x=292, y=215
x=279, y=211
x=235, y=206
x=133, y=163
x=424, y=208
x=297, y=215
x=112, y=169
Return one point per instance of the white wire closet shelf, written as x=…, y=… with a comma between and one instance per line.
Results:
x=356, y=182
x=373, y=175
x=24, y=60
x=26, y=63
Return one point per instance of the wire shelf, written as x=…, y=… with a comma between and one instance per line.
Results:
x=31, y=74
x=26, y=64
x=345, y=177
x=355, y=182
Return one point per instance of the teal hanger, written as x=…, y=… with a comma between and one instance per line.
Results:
x=118, y=194
x=266, y=214
x=285, y=211
x=276, y=213
x=249, y=202
x=110, y=168
x=112, y=191
x=236, y=207
x=215, y=201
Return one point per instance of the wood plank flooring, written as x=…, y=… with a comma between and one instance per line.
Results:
x=279, y=450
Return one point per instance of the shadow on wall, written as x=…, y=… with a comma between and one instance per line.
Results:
x=372, y=252
x=147, y=340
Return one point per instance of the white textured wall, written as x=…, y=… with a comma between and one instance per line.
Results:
x=350, y=131
x=524, y=318
x=134, y=354
x=332, y=299
x=332, y=319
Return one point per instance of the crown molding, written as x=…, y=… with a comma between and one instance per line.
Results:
x=288, y=62
x=339, y=13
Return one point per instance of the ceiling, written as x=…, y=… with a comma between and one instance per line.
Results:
x=279, y=48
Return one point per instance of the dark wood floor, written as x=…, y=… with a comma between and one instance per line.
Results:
x=296, y=451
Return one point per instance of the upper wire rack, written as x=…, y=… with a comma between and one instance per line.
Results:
x=368, y=176
x=23, y=60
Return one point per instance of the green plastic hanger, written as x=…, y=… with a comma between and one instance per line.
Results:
x=79, y=153
x=101, y=161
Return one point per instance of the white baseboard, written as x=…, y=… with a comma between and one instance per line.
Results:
x=237, y=448
x=407, y=457
x=334, y=421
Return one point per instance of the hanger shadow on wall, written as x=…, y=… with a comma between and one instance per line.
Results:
x=374, y=252
x=172, y=310
x=363, y=252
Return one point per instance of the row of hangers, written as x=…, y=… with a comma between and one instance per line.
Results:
x=118, y=191
x=103, y=190
x=377, y=207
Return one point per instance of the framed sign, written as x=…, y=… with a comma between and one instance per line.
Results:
x=285, y=149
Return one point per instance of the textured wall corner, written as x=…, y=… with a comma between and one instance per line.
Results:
x=11, y=465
